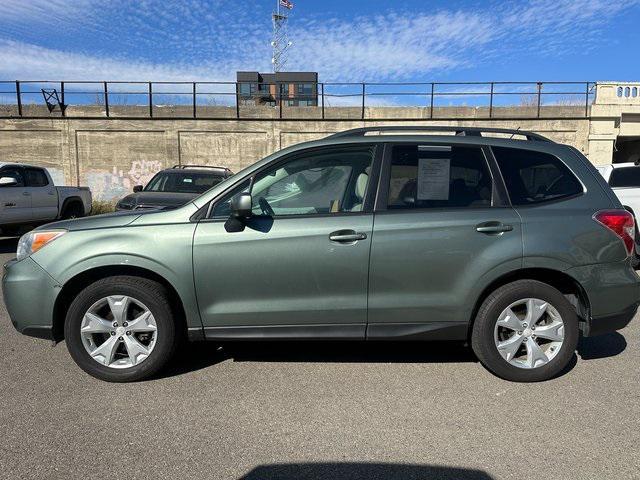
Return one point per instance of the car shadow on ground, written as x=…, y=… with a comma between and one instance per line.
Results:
x=8, y=244
x=603, y=346
x=200, y=355
x=196, y=356
x=362, y=471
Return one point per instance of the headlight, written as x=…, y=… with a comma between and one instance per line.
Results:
x=33, y=241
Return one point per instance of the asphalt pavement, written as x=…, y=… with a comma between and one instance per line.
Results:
x=319, y=410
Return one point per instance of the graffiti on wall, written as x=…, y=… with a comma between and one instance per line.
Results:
x=115, y=184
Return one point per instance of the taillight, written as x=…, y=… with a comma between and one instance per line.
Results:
x=619, y=222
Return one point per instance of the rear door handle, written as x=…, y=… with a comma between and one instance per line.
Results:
x=346, y=236
x=10, y=204
x=493, y=228
x=26, y=194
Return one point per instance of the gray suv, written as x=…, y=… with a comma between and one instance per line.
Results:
x=500, y=238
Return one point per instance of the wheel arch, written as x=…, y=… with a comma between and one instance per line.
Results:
x=77, y=283
x=71, y=201
x=562, y=281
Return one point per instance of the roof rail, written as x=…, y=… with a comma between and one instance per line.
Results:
x=462, y=131
x=182, y=167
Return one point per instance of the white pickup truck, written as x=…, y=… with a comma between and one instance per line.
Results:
x=29, y=197
x=624, y=180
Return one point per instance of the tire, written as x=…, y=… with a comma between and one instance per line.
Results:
x=140, y=293
x=10, y=231
x=486, y=335
x=72, y=210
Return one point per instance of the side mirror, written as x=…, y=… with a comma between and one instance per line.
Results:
x=137, y=188
x=241, y=205
x=8, y=182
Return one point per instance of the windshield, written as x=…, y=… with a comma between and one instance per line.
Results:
x=182, y=182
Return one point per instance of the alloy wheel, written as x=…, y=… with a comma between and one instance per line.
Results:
x=118, y=331
x=529, y=333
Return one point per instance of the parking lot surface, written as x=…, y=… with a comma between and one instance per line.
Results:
x=319, y=410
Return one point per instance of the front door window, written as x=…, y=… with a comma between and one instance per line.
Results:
x=324, y=182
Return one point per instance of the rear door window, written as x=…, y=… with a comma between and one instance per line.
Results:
x=625, y=177
x=36, y=177
x=532, y=177
x=438, y=176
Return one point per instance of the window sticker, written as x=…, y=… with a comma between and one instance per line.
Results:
x=433, y=178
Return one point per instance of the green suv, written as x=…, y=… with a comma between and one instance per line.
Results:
x=500, y=238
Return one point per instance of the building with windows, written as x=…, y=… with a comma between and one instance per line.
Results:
x=294, y=89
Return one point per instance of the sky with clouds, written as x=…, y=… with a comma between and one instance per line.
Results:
x=358, y=40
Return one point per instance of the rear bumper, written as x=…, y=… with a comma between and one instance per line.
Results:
x=29, y=294
x=609, y=323
x=613, y=293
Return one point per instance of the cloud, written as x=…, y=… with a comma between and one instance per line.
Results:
x=187, y=40
x=31, y=11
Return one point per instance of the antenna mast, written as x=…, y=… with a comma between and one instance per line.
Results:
x=280, y=40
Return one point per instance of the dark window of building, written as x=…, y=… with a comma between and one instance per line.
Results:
x=533, y=177
x=625, y=177
x=430, y=176
x=36, y=177
x=245, y=89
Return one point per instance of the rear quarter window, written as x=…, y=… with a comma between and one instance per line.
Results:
x=625, y=177
x=533, y=177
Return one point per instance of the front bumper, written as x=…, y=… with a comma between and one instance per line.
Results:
x=30, y=294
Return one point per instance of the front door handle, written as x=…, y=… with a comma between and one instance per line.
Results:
x=26, y=194
x=346, y=236
x=10, y=204
x=493, y=228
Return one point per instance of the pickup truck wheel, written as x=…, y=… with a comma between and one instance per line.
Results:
x=72, y=210
x=10, y=231
x=120, y=329
x=525, y=331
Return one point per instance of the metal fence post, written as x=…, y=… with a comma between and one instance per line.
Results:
x=491, y=102
x=106, y=99
x=281, y=101
x=237, y=100
x=19, y=98
x=363, y=97
x=62, y=104
x=586, y=101
x=539, y=96
x=194, y=100
x=431, y=107
x=150, y=100
x=322, y=87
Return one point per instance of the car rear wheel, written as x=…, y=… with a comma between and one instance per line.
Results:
x=525, y=331
x=72, y=210
x=120, y=329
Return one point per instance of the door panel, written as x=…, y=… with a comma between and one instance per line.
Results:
x=44, y=200
x=442, y=233
x=283, y=272
x=426, y=264
x=15, y=202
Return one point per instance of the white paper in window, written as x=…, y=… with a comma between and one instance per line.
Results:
x=433, y=178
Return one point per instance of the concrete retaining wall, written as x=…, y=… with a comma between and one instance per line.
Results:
x=113, y=155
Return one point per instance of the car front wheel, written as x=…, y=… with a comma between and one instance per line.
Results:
x=120, y=329
x=525, y=331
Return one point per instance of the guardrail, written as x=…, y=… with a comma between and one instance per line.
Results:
x=328, y=100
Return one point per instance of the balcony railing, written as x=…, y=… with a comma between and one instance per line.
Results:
x=329, y=101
